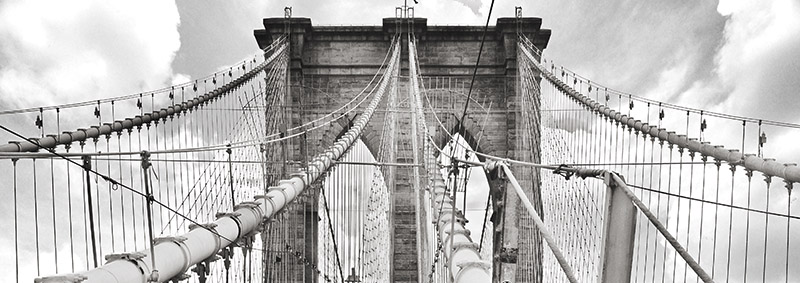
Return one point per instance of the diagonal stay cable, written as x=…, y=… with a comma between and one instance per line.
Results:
x=472, y=81
x=477, y=62
x=113, y=181
x=162, y=90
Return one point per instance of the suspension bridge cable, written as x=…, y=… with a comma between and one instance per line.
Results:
x=111, y=181
x=218, y=147
x=485, y=217
x=660, y=227
x=685, y=108
x=748, y=209
x=330, y=227
x=768, y=167
x=568, y=271
x=664, y=104
x=267, y=139
x=653, y=219
x=439, y=202
x=318, y=165
x=129, y=123
x=471, y=85
x=732, y=157
x=163, y=90
x=478, y=61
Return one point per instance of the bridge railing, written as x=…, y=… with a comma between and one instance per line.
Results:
x=83, y=195
x=451, y=252
x=202, y=169
x=737, y=227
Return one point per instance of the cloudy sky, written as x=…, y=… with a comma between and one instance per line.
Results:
x=731, y=56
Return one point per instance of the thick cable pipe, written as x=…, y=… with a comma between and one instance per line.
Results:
x=138, y=120
x=176, y=255
x=412, y=69
x=596, y=173
x=422, y=262
x=419, y=128
x=769, y=167
x=463, y=261
x=663, y=230
x=551, y=242
x=683, y=108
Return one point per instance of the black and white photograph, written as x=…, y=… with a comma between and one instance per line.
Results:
x=437, y=141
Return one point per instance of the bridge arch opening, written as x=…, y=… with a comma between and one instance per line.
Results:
x=353, y=207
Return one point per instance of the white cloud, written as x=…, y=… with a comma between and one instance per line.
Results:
x=753, y=72
x=473, y=5
x=180, y=79
x=670, y=81
x=56, y=51
x=759, y=56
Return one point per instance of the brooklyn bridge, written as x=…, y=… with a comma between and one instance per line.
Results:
x=349, y=154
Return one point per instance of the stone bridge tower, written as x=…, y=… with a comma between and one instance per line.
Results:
x=331, y=64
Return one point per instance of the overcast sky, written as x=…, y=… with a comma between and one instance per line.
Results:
x=738, y=57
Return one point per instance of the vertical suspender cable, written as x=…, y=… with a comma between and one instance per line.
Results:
x=16, y=220
x=87, y=166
